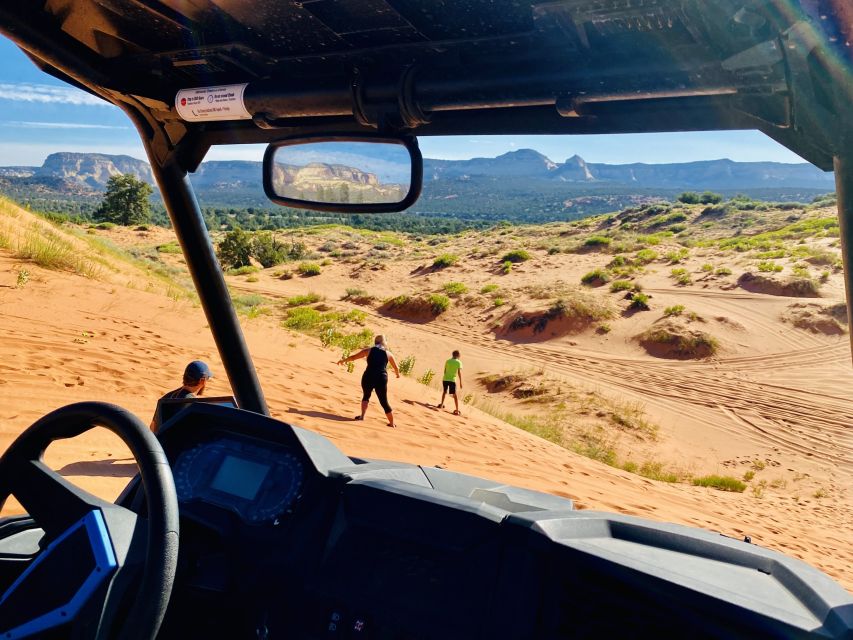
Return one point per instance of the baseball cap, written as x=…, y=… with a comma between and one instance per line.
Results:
x=196, y=370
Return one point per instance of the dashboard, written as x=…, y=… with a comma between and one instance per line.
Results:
x=258, y=483
x=284, y=536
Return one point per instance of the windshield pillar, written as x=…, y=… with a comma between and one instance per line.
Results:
x=844, y=192
x=189, y=226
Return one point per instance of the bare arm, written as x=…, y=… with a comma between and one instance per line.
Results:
x=361, y=354
x=393, y=363
x=459, y=373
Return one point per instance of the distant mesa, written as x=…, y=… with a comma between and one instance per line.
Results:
x=522, y=182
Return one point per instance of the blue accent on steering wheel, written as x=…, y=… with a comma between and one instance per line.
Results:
x=105, y=566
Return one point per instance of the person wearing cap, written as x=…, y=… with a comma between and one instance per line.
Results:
x=196, y=375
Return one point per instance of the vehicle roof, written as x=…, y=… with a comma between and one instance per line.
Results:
x=458, y=66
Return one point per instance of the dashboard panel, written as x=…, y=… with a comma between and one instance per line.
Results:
x=259, y=483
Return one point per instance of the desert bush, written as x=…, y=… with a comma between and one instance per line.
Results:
x=709, y=197
x=723, y=483
x=769, y=266
x=621, y=285
x=681, y=276
x=801, y=270
x=169, y=247
x=597, y=242
x=243, y=271
x=645, y=256
x=498, y=302
x=674, y=310
x=268, y=250
x=439, y=303
x=406, y=365
x=235, y=249
x=507, y=267
x=308, y=269
x=596, y=278
x=707, y=267
x=489, y=288
x=656, y=471
x=301, y=300
x=676, y=256
x=445, y=260
x=427, y=377
x=723, y=271
x=689, y=197
x=516, y=255
x=455, y=289
x=679, y=343
x=639, y=301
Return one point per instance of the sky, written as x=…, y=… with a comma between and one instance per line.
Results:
x=40, y=115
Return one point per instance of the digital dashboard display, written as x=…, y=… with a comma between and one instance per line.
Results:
x=239, y=477
x=258, y=481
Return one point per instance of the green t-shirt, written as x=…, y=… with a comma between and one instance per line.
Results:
x=451, y=367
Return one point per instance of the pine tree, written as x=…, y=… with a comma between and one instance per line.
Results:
x=126, y=201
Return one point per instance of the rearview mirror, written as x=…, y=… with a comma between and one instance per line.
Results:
x=344, y=174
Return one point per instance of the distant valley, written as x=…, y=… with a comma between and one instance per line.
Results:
x=520, y=184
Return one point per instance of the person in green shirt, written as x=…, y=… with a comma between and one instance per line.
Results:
x=452, y=369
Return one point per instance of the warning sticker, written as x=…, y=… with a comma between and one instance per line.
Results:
x=212, y=103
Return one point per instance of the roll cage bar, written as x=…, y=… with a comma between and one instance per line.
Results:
x=559, y=67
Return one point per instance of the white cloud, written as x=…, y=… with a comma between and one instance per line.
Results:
x=60, y=125
x=45, y=93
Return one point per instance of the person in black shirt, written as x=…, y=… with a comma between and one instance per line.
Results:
x=375, y=377
x=196, y=375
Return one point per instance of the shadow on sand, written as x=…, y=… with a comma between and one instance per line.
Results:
x=104, y=468
x=320, y=414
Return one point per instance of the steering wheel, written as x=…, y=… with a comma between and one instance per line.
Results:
x=92, y=550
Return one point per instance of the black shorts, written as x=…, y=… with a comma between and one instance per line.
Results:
x=449, y=386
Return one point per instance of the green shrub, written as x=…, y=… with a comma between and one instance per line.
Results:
x=674, y=310
x=801, y=270
x=596, y=278
x=677, y=256
x=516, y=255
x=507, y=267
x=303, y=318
x=707, y=267
x=690, y=197
x=406, y=365
x=308, y=298
x=169, y=247
x=723, y=271
x=723, y=483
x=640, y=302
x=243, y=271
x=656, y=471
x=267, y=250
x=427, y=377
x=709, y=197
x=645, y=256
x=235, y=250
x=597, y=242
x=445, y=260
x=768, y=266
x=455, y=289
x=105, y=226
x=309, y=269
x=489, y=288
x=439, y=303
x=498, y=302
x=681, y=276
x=621, y=285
